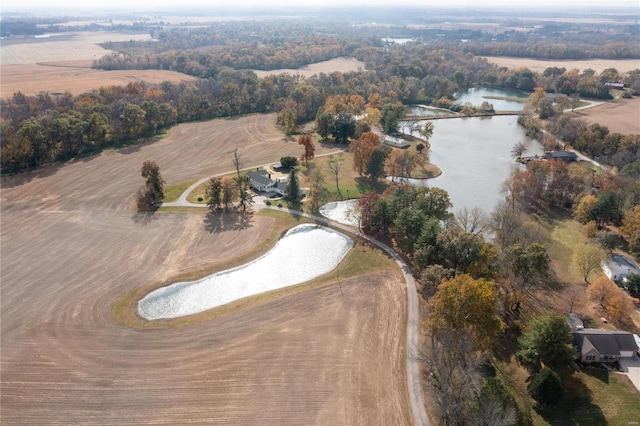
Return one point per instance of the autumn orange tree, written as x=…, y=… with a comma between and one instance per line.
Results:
x=463, y=303
x=308, y=150
x=611, y=299
x=361, y=150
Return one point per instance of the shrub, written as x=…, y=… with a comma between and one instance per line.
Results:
x=279, y=204
x=545, y=387
x=268, y=202
x=200, y=199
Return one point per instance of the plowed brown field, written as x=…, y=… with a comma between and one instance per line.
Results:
x=75, y=78
x=620, y=116
x=71, y=246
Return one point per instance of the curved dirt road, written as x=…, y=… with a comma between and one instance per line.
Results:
x=414, y=382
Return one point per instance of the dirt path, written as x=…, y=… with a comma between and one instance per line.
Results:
x=414, y=381
x=71, y=245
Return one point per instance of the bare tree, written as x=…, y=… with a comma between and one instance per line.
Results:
x=334, y=165
x=236, y=161
x=518, y=150
x=473, y=221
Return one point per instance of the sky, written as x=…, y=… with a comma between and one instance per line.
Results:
x=96, y=5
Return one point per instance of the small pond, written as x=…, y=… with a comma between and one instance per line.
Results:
x=303, y=253
x=476, y=96
x=345, y=212
x=423, y=111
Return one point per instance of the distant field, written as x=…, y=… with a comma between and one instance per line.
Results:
x=60, y=63
x=620, y=116
x=62, y=47
x=538, y=65
x=327, y=67
x=34, y=78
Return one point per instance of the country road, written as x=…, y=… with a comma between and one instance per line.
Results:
x=414, y=382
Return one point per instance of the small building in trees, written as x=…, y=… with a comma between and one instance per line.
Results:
x=597, y=345
x=574, y=322
x=566, y=156
x=396, y=142
x=617, y=267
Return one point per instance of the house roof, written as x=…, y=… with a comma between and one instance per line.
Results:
x=605, y=342
x=260, y=177
x=561, y=154
x=618, y=262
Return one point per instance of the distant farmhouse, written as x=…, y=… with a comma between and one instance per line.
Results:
x=397, y=142
x=566, y=156
x=615, y=85
x=595, y=345
x=617, y=267
x=260, y=180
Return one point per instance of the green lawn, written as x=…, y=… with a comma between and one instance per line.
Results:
x=172, y=192
x=595, y=397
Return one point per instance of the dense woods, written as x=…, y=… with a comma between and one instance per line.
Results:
x=47, y=128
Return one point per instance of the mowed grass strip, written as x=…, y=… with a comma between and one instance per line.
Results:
x=362, y=259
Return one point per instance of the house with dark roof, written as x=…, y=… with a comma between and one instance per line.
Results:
x=260, y=180
x=566, y=156
x=596, y=345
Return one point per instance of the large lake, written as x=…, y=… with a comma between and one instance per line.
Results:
x=478, y=95
x=474, y=154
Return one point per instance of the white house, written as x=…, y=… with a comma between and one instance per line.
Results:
x=397, y=142
x=617, y=267
x=260, y=180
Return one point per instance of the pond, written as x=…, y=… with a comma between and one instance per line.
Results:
x=474, y=154
x=346, y=212
x=303, y=253
x=423, y=111
x=476, y=96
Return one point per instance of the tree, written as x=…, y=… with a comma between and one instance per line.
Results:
x=324, y=123
x=547, y=342
x=344, y=126
x=466, y=304
x=288, y=162
x=317, y=191
x=213, y=193
x=335, y=164
x=376, y=165
x=546, y=387
x=236, y=162
x=392, y=114
x=518, y=150
x=361, y=150
x=606, y=209
x=430, y=279
x=133, y=121
x=367, y=204
x=632, y=284
x=308, y=150
x=587, y=259
x=154, y=182
x=426, y=131
x=293, y=187
x=631, y=221
x=288, y=120
x=243, y=186
x=229, y=192
x=613, y=301
x=582, y=212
